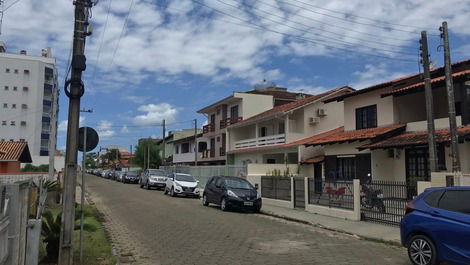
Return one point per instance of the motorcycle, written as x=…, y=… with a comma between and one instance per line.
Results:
x=371, y=198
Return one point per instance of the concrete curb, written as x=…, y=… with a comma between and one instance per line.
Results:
x=372, y=239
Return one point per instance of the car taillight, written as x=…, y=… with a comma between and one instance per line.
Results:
x=409, y=208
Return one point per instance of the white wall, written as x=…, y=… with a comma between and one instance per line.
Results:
x=386, y=168
x=253, y=104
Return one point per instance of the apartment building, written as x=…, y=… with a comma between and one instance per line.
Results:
x=233, y=109
x=28, y=95
x=384, y=135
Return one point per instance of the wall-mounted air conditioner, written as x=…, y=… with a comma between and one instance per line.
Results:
x=313, y=120
x=321, y=112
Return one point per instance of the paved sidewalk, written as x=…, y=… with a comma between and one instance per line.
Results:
x=361, y=229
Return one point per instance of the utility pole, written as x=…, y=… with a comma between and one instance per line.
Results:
x=74, y=89
x=195, y=142
x=450, y=99
x=433, y=162
x=164, y=143
x=53, y=134
x=82, y=198
x=148, y=153
x=143, y=146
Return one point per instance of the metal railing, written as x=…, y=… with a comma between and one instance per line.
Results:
x=385, y=202
x=208, y=128
x=336, y=194
x=278, y=188
x=229, y=121
x=261, y=141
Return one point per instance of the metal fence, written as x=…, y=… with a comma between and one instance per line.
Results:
x=385, y=202
x=4, y=224
x=337, y=194
x=278, y=188
x=203, y=173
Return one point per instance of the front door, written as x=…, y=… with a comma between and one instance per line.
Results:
x=317, y=177
x=234, y=113
x=416, y=168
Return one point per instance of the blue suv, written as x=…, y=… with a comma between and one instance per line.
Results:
x=436, y=226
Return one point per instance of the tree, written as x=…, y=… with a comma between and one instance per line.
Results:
x=112, y=157
x=90, y=160
x=147, y=150
x=32, y=168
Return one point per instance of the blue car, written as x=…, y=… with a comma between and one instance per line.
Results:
x=436, y=226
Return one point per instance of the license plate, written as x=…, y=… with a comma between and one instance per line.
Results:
x=248, y=203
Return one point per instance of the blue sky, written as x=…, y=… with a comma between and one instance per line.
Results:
x=175, y=57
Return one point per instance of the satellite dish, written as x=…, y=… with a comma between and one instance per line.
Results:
x=92, y=139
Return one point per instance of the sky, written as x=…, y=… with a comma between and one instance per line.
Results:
x=149, y=60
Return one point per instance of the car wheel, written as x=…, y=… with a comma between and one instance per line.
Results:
x=172, y=192
x=204, y=200
x=147, y=186
x=422, y=251
x=165, y=191
x=223, y=205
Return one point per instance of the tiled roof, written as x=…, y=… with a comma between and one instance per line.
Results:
x=291, y=144
x=14, y=151
x=416, y=138
x=421, y=84
x=288, y=107
x=314, y=159
x=413, y=78
x=357, y=135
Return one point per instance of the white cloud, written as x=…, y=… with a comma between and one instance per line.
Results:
x=373, y=74
x=62, y=127
x=124, y=129
x=105, y=130
x=135, y=99
x=156, y=113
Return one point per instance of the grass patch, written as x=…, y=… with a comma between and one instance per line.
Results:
x=97, y=248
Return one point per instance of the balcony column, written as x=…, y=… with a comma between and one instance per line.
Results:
x=286, y=125
x=256, y=132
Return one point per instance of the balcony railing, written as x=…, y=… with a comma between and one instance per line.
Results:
x=261, y=141
x=208, y=153
x=208, y=128
x=229, y=121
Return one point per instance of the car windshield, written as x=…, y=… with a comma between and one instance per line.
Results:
x=235, y=183
x=156, y=172
x=181, y=177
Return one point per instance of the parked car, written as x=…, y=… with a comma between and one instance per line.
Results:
x=118, y=175
x=130, y=177
x=182, y=184
x=104, y=173
x=111, y=174
x=153, y=178
x=436, y=226
x=231, y=192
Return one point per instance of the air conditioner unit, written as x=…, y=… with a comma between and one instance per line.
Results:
x=313, y=120
x=321, y=112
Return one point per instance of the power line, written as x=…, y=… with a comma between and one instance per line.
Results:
x=347, y=20
x=101, y=41
x=122, y=30
x=322, y=36
x=302, y=38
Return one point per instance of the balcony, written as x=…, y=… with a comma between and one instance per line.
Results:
x=261, y=141
x=229, y=121
x=207, y=153
x=208, y=128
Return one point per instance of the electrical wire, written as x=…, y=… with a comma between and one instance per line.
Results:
x=320, y=35
x=347, y=20
x=302, y=38
x=92, y=78
x=122, y=31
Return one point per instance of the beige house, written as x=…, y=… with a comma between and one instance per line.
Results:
x=277, y=136
x=384, y=133
x=231, y=110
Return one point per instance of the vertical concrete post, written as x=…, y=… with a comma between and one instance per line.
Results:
x=33, y=240
x=292, y=192
x=357, y=199
x=306, y=191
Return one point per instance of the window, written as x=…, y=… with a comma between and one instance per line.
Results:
x=433, y=198
x=219, y=182
x=12, y=123
x=26, y=71
x=13, y=106
x=22, y=140
x=7, y=70
x=282, y=128
x=16, y=71
x=23, y=123
x=5, y=105
x=346, y=168
x=6, y=88
x=25, y=88
x=456, y=201
x=234, y=112
x=218, y=139
x=185, y=148
x=4, y=122
x=366, y=117
x=263, y=131
x=15, y=88
x=24, y=106
x=44, y=144
x=270, y=161
x=177, y=149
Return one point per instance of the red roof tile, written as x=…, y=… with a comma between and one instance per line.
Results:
x=14, y=151
x=314, y=159
x=357, y=135
x=416, y=138
x=421, y=84
x=289, y=106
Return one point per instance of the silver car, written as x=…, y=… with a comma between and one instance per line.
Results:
x=153, y=178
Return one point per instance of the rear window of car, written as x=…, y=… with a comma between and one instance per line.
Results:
x=456, y=201
x=432, y=199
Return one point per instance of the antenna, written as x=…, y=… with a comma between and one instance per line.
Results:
x=3, y=9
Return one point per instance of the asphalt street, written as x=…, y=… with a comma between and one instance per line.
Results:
x=153, y=228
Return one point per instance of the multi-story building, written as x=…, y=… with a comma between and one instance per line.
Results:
x=28, y=95
x=169, y=143
x=233, y=109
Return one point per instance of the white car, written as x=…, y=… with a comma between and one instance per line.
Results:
x=182, y=184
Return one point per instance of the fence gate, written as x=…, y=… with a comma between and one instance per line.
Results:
x=299, y=192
